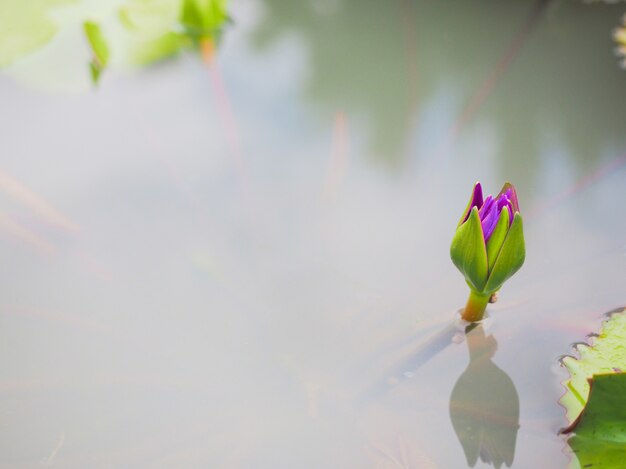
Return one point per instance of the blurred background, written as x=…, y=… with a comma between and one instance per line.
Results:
x=224, y=234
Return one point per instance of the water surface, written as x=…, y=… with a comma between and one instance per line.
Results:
x=197, y=281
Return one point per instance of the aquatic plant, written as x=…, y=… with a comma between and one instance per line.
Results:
x=595, y=397
x=488, y=246
x=604, y=353
x=131, y=32
x=99, y=49
x=159, y=29
x=26, y=27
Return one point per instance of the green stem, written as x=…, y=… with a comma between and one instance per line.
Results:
x=475, y=307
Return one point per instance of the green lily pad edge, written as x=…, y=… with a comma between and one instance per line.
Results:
x=596, y=395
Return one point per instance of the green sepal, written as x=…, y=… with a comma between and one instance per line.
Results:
x=497, y=237
x=468, y=207
x=468, y=251
x=511, y=257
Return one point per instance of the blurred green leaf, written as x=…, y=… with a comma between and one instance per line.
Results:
x=150, y=16
x=25, y=26
x=203, y=18
x=159, y=29
x=152, y=27
x=155, y=29
x=99, y=49
x=159, y=48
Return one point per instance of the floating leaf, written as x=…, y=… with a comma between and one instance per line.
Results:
x=600, y=437
x=606, y=353
x=25, y=26
x=595, y=399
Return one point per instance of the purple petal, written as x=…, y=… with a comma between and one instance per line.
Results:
x=509, y=190
x=477, y=197
x=489, y=221
x=486, y=208
x=475, y=201
x=504, y=201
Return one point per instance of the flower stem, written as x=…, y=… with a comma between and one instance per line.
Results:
x=475, y=307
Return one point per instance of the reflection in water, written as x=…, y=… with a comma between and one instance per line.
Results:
x=425, y=52
x=484, y=405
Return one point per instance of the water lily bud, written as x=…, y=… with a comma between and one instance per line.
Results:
x=488, y=246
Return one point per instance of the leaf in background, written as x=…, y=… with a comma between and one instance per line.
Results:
x=600, y=429
x=159, y=29
x=160, y=48
x=25, y=26
x=150, y=16
x=99, y=49
x=202, y=21
x=153, y=29
x=606, y=353
x=203, y=18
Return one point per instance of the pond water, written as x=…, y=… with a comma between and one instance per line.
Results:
x=248, y=266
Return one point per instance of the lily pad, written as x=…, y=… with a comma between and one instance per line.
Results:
x=600, y=429
x=595, y=399
x=605, y=353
